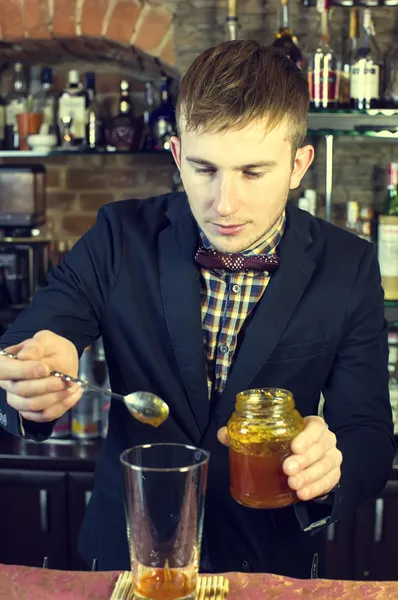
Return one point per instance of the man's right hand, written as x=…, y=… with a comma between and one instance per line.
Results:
x=30, y=389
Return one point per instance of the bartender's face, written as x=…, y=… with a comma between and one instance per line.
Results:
x=237, y=182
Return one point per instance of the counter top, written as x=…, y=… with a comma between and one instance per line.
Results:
x=26, y=583
x=57, y=454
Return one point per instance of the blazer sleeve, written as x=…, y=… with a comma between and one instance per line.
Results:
x=71, y=304
x=357, y=406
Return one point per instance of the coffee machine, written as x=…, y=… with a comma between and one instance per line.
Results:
x=24, y=251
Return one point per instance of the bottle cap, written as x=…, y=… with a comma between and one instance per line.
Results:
x=74, y=76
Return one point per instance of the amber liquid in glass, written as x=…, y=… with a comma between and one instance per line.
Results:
x=166, y=583
x=259, y=481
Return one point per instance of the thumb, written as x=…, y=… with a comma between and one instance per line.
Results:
x=222, y=436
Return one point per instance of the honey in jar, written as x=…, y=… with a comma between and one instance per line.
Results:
x=260, y=432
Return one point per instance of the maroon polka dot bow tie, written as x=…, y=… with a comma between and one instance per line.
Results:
x=211, y=259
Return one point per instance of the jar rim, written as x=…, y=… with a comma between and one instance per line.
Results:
x=259, y=400
x=268, y=393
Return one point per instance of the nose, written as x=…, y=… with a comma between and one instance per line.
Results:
x=226, y=201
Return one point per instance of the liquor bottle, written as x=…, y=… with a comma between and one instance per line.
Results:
x=146, y=140
x=86, y=414
x=232, y=21
x=285, y=40
x=94, y=126
x=45, y=99
x=345, y=76
x=365, y=68
x=323, y=72
x=391, y=93
x=388, y=236
x=72, y=109
x=15, y=103
x=352, y=220
x=124, y=130
x=162, y=120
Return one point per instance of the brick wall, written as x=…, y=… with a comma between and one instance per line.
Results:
x=78, y=185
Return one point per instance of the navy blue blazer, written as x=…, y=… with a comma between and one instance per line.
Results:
x=318, y=328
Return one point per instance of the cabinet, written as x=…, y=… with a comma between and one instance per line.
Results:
x=44, y=492
x=33, y=525
x=364, y=547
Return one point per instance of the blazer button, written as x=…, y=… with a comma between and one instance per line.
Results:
x=245, y=565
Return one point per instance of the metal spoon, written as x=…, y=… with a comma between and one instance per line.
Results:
x=143, y=406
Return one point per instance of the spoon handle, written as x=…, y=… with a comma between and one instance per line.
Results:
x=83, y=384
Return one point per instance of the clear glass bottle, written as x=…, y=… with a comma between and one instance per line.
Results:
x=72, y=109
x=50, y=100
x=285, y=40
x=15, y=104
x=162, y=120
x=146, y=139
x=260, y=432
x=86, y=414
x=94, y=126
x=366, y=68
x=124, y=131
x=324, y=68
x=345, y=76
x=388, y=236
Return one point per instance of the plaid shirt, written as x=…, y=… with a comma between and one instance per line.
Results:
x=227, y=299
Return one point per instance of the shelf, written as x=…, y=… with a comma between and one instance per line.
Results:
x=379, y=123
x=391, y=312
x=79, y=152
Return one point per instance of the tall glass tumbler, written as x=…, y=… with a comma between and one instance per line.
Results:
x=165, y=487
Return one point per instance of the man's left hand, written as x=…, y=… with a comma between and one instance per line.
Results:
x=313, y=468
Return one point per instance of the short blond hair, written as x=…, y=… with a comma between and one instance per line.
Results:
x=239, y=82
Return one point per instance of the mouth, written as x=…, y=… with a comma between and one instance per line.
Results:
x=228, y=229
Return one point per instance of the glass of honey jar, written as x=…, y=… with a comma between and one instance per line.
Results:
x=260, y=432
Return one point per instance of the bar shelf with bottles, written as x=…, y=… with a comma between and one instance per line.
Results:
x=36, y=120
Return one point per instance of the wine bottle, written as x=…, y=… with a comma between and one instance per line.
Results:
x=72, y=107
x=285, y=41
x=162, y=120
x=323, y=72
x=365, y=68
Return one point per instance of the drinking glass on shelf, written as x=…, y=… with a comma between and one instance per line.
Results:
x=165, y=489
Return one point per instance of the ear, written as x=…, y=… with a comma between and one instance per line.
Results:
x=302, y=162
x=175, y=147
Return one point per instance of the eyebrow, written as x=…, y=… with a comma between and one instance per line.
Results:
x=200, y=161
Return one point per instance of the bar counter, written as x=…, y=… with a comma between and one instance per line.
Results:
x=27, y=583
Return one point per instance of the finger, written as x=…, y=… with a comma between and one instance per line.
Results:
x=222, y=436
x=55, y=410
x=297, y=462
x=35, y=387
x=21, y=369
x=313, y=430
x=31, y=350
x=317, y=471
x=320, y=487
x=14, y=349
x=40, y=403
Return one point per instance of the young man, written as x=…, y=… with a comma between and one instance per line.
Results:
x=300, y=307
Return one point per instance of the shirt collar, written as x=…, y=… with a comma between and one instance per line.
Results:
x=267, y=246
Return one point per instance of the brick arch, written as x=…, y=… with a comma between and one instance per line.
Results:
x=145, y=25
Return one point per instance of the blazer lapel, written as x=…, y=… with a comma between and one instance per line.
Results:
x=180, y=285
x=273, y=312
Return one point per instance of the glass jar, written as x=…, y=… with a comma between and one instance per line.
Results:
x=260, y=432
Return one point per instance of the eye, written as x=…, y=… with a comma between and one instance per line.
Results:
x=205, y=171
x=252, y=174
